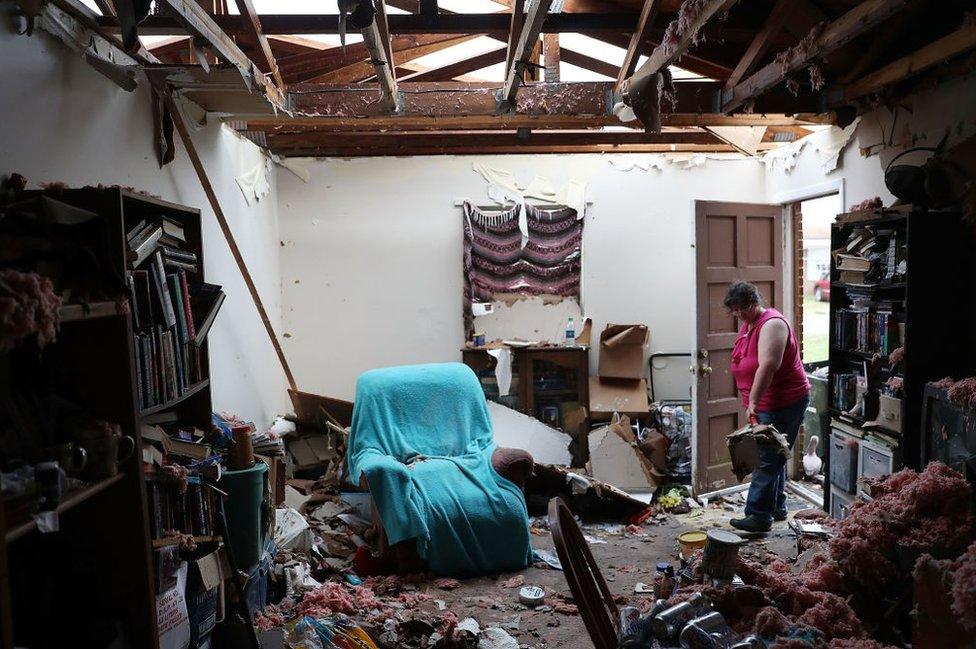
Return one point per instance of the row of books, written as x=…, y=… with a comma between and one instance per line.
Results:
x=871, y=255
x=165, y=367
x=165, y=235
x=848, y=388
x=863, y=330
x=190, y=512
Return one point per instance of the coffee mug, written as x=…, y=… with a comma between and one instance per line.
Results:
x=105, y=455
x=51, y=484
x=69, y=456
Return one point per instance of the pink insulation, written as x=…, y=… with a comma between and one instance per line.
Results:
x=446, y=583
x=28, y=305
x=868, y=204
x=683, y=25
x=964, y=588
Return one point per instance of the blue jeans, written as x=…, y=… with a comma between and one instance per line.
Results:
x=767, y=490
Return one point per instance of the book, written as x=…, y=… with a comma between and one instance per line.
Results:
x=187, y=307
x=136, y=232
x=142, y=247
x=176, y=253
x=851, y=262
x=173, y=228
x=852, y=276
x=165, y=303
x=176, y=297
x=205, y=301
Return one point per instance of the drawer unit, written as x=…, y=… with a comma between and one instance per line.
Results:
x=875, y=459
x=840, y=503
x=843, y=459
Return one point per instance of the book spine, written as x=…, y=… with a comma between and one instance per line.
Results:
x=188, y=310
x=164, y=295
x=137, y=352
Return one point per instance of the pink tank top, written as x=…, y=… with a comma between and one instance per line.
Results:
x=790, y=380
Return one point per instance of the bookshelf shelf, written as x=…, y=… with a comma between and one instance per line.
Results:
x=869, y=287
x=71, y=500
x=174, y=540
x=190, y=391
x=93, y=311
x=871, y=356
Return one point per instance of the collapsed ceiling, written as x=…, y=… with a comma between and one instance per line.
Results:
x=524, y=75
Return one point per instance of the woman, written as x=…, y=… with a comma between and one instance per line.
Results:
x=769, y=375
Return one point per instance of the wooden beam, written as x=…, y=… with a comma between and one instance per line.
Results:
x=379, y=52
x=551, y=56
x=107, y=7
x=855, y=22
x=524, y=45
x=757, y=49
x=197, y=21
x=447, y=148
x=514, y=29
x=453, y=70
x=691, y=62
x=664, y=55
x=365, y=69
x=491, y=23
x=228, y=233
x=588, y=62
x=958, y=42
x=638, y=38
x=266, y=59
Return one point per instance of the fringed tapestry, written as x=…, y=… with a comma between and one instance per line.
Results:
x=495, y=263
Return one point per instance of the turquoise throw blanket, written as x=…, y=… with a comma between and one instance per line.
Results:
x=422, y=436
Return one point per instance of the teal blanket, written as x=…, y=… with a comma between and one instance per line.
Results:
x=422, y=436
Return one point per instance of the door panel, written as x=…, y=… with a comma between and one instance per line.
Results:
x=735, y=242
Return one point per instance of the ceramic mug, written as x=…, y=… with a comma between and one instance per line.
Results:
x=105, y=455
x=70, y=457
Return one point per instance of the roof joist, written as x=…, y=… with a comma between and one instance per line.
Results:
x=834, y=35
x=522, y=46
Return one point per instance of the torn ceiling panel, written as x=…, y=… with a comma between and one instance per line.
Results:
x=515, y=430
x=222, y=89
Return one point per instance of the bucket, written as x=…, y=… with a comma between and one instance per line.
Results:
x=721, y=554
x=247, y=517
x=688, y=542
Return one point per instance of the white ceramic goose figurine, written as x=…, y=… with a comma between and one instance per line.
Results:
x=811, y=462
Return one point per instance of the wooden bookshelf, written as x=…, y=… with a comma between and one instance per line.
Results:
x=934, y=301
x=95, y=354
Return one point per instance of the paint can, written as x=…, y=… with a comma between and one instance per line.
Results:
x=688, y=542
x=721, y=554
x=749, y=642
x=532, y=596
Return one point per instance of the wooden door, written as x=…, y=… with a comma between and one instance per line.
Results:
x=734, y=242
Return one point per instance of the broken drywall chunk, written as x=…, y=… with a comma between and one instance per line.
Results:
x=616, y=458
x=512, y=429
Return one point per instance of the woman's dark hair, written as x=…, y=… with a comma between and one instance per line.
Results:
x=742, y=295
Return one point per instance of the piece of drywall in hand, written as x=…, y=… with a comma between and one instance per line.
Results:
x=539, y=319
x=514, y=430
x=61, y=121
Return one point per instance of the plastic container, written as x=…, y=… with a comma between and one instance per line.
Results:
x=688, y=542
x=247, y=515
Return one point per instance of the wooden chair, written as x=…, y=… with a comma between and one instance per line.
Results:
x=593, y=597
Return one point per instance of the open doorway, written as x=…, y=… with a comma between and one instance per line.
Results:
x=812, y=288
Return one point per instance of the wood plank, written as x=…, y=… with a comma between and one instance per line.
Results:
x=524, y=45
x=691, y=62
x=637, y=40
x=382, y=63
x=663, y=56
x=514, y=29
x=947, y=47
x=491, y=23
x=757, y=49
x=551, y=56
x=228, y=234
x=453, y=70
x=363, y=70
x=852, y=24
x=266, y=58
x=488, y=149
x=588, y=63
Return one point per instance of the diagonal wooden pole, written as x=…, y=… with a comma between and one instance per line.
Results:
x=228, y=235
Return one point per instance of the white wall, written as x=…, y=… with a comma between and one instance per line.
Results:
x=62, y=121
x=371, y=263
x=922, y=121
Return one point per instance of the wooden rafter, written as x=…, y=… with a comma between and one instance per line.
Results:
x=855, y=22
x=638, y=39
x=757, y=49
x=381, y=56
x=588, y=62
x=266, y=59
x=107, y=7
x=664, y=55
x=198, y=22
x=365, y=69
x=691, y=62
x=551, y=55
x=524, y=46
x=514, y=29
x=958, y=42
x=458, y=68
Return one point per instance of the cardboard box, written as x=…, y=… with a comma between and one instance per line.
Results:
x=622, y=351
x=623, y=396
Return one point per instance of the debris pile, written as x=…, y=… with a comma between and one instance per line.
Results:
x=856, y=591
x=961, y=393
x=28, y=305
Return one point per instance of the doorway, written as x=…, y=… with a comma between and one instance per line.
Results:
x=811, y=273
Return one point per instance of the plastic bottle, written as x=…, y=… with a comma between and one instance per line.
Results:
x=570, y=332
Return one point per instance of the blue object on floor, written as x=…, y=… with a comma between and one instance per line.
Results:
x=422, y=436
